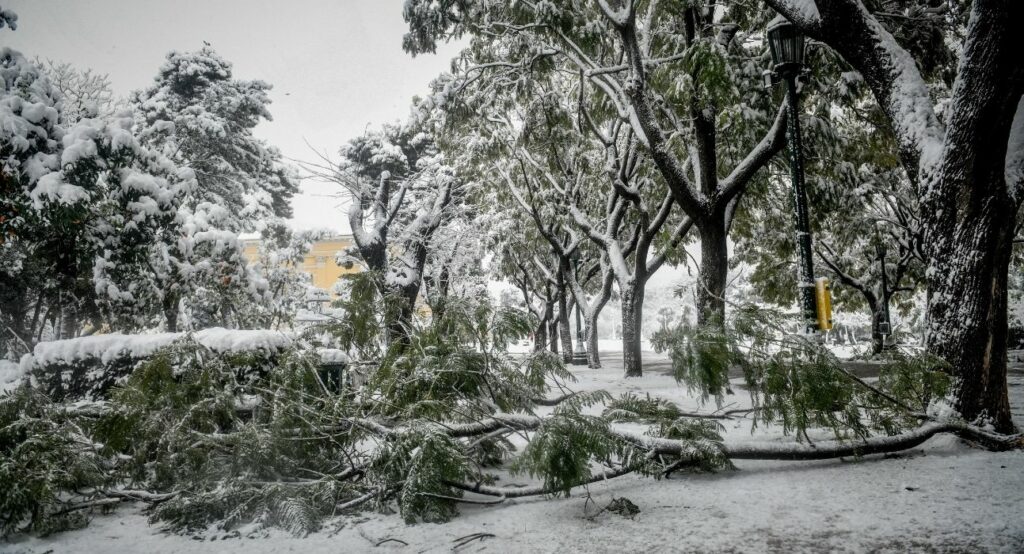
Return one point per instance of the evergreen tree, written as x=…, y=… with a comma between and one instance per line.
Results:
x=202, y=118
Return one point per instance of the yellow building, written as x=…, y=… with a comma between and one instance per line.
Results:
x=321, y=262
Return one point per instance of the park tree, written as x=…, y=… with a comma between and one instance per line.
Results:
x=400, y=191
x=199, y=116
x=84, y=207
x=677, y=75
x=962, y=152
x=576, y=178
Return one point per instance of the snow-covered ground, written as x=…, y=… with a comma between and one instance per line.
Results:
x=943, y=496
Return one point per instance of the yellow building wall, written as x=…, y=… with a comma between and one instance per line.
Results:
x=320, y=262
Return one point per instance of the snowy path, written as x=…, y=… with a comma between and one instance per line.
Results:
x=943, y=496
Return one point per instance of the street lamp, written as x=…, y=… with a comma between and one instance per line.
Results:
x=884, y=326
x=786, y=44
x=579, y=354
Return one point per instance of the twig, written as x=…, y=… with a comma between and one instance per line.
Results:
x=89, y=504
x=463, y=541
x=554, y=401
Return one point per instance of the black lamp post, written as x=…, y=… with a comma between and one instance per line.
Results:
x=787, y=48
x=885, y=326
x=579, y=354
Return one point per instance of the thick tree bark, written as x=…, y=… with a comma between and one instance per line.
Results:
x=565, y=334
x=590, y=330
x=541, y=334
x=877, y=317
x=714, y=270
x=399, y=320
x=632, y=299
x=553, y=334
x=540, y=337
x=969, y=216
x=968, y=313
x=564, y=308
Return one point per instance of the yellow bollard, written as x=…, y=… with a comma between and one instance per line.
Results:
x=823, y=294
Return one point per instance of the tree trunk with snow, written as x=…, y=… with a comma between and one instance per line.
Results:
x=714, y=270
x=553, y=334
x=632, y=299
x=968, y=312
x=564, y=313
x=590, y=332
x=540, y=337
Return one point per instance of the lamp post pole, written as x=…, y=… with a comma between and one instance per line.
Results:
x=787, y=50
x=803, y=226
x=885, y=328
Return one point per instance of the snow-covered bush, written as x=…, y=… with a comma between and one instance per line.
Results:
x=45, y=454
x=87, y=367
x=206, y=440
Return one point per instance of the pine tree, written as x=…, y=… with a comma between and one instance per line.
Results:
x=202, y=118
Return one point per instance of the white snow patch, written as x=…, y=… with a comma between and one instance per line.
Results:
x=107, y=348
x=10, y=375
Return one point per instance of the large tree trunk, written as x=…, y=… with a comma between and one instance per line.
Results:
x=540, y=337
x=590, y=331
x=970, y=215
x=877, y=339
x=632, y=298
x=564, y=327
x=714, y=270
x=968, y=312
x=399, y=323
x=69, y=323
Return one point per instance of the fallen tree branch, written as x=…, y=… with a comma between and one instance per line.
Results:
x=834, y=449
x=88, y=504
x=142, y=496
x=724, y=415
x=361, y=500
x=519, y=492
x=464, y=500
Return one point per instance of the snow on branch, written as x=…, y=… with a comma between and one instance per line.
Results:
x=1015, y=155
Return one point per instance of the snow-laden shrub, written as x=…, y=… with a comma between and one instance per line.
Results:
x=44, y=455
x=87, y=367
x=208, y=441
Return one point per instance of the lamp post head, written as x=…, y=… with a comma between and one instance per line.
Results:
x=880, y=247
x=786, y=44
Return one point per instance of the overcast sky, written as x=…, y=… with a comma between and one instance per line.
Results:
x=337, y=66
